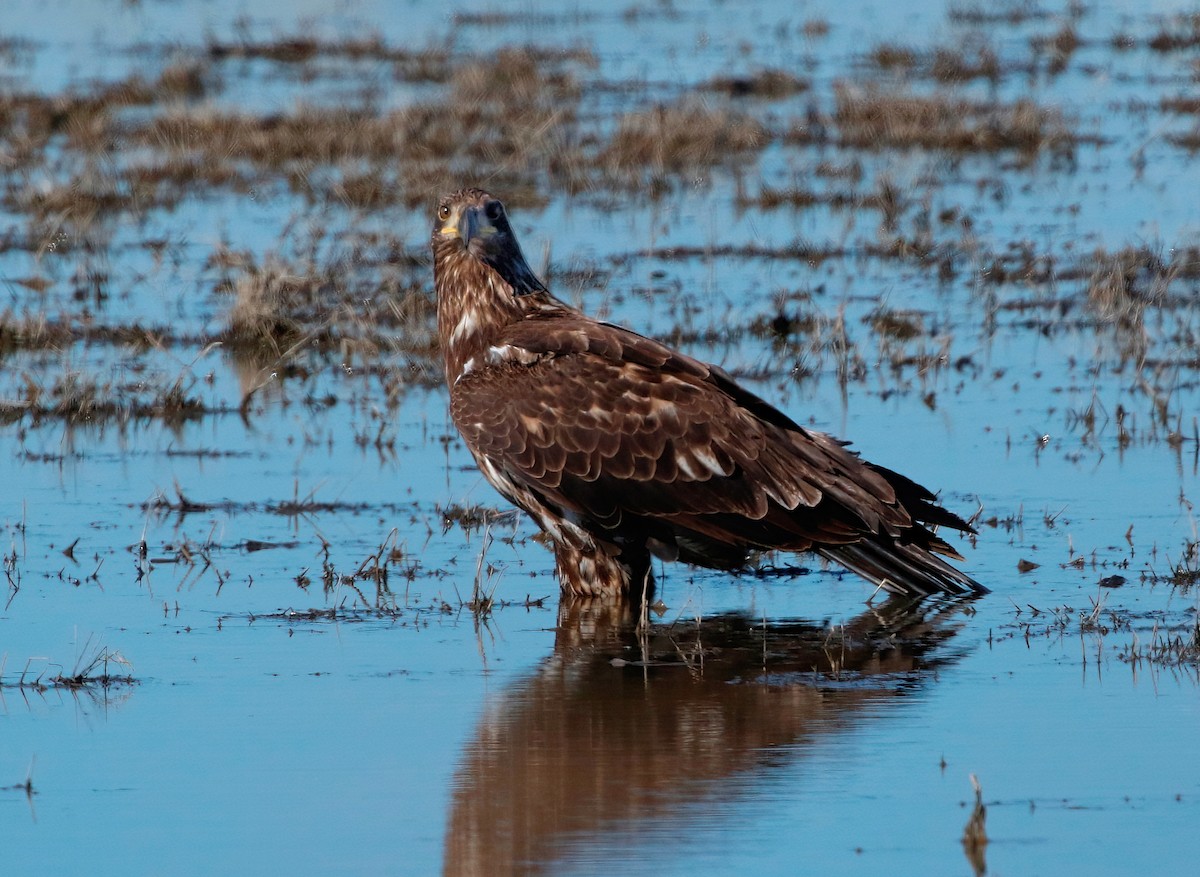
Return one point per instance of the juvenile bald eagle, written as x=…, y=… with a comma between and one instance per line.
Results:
x=623, y=449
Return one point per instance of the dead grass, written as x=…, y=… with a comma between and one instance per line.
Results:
x=512, y=111
x=1182, y=104
x=678, y=139
x=80, y=398
x=900, y=325
x=474, y=518
x=40, y=332
x=796, y=197
x=1185, y=572
x=975, y=838
x=364, y=310
x=271, y=306
x=357, y=308
x=514, y=77
x=29, y=120
x=975, y=60
x=891, y=56
x=1189, y=140
x=872, y=118
x=432, y=64
x=800, y=197
x=1177, y=33
x=1125, y=283
x=96, y=667
x=1011, y=12
x=764, y=84
x=980, y=62
x=300, y=49
x=1057, y=47
x=33, y=332
x=309, y=133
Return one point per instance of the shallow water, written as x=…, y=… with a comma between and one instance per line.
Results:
x=290, y=587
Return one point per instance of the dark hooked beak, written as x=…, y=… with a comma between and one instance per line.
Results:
x=469, y=224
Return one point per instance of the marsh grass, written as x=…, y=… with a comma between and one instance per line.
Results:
x=896, y=324
x=517, y=112
x=12, y=575
x=1185, y=570
x=473, y=518
x=1005, y=12
x=874, y=118
x=1124, y=284
x=29, y=120
x=298, y=49
x=800, y=196
x=1052, y=52
x=354, y=306
x=1166, y=646
x=770, y=84
x=974, y=60
x=514, y=109
x=80, y=398
x=975, y=838
x=431, y=64
x=95, y=667
x=1177, y=33
x=271, y=307
x=1189, y=140
x=682, y=138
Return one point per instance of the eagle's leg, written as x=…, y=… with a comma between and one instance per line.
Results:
x=592, y=572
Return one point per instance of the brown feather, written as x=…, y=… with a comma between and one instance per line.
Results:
x=621, y=447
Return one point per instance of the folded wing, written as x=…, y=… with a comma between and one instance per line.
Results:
x=639, y=444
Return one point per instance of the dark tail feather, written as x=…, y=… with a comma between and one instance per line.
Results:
x=920, y=503
x=905, y=569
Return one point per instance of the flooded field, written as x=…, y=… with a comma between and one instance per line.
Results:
x=261, y=614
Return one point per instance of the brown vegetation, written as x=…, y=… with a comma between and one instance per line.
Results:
x=1177, y=33
x=678, y=139
x=871, y=118
x=767, y=84
x=79, y=398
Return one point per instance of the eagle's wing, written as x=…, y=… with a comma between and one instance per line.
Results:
x=623, y=435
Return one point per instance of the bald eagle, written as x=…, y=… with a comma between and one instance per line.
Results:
x=622, y=449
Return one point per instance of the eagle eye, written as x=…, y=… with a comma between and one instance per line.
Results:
x=443, y=212
x=494, y=210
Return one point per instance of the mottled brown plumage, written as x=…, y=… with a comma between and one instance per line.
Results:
x=623, y=449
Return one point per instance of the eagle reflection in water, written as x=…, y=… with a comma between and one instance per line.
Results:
x=620, y=730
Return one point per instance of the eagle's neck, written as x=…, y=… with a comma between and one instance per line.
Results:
x=474, y=305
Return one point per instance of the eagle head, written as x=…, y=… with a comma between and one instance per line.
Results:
x=480, y=274
x=471, y=224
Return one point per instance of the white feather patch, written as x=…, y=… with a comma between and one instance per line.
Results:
x=687, y=461
x=468, y=367
x=468, y=324
x=706, y=458
x=508, y=353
